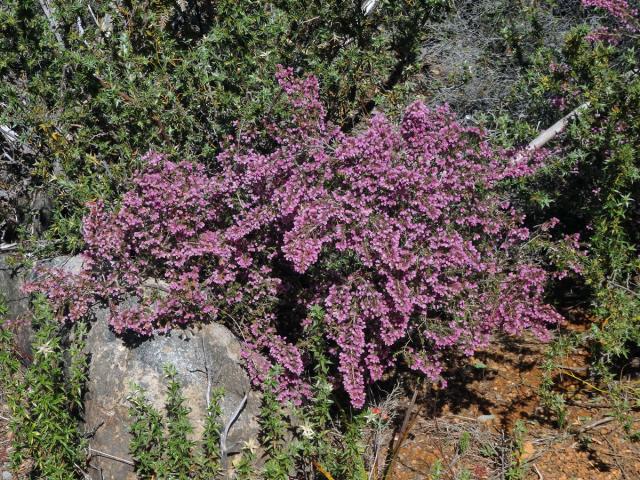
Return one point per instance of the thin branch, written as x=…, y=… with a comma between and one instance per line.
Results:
x=8, y=134
x=13, y=140
x=53, y=23
x=206, y=370
x=535, y=468
x=547, y=135
x=556, y=128
x=111, y=457
x=402, y=434
x=596, y=424
x=225, y=434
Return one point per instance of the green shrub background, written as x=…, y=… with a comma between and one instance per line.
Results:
x=96, y=84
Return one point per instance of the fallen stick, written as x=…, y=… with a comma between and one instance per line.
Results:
x=535, y=468
x=53, y=23
x=223, y=438
x=596, y=424
x=111, y=457
x=547, y=135
x=556, y=128
x=402, y=434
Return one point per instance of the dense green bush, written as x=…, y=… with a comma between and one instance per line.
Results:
x=87, y=90
x=162, y=447
x=592, y=181
x=45, y=398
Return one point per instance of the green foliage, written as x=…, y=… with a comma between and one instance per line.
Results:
x=465, y=475
x=209, y=459
x=131, y=76
x=551, y=400
x=591, y=183
x=464, y=442
x=280, y=448
x=436, y=470
x=319, y=438
x=517, y=469
x=44, y=400
x=178, y=428
x=147, y=445
x=162, y=447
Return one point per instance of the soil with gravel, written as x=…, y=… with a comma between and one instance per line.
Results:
x=470, y=430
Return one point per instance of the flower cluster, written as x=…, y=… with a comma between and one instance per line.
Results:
x=618, y=9
x=398, y=233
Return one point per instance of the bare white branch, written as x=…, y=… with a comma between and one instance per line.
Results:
x=53, y=23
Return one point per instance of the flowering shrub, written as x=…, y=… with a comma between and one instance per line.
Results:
x=620, y=10
x=171, y=76
x=397, y=235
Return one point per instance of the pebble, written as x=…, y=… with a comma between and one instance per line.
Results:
x=7, y=476
x=486, y=418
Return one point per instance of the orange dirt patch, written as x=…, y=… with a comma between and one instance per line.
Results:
x=498, y=388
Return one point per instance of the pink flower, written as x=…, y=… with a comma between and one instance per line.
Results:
x=399, y=233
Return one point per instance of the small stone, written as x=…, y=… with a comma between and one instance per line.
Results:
x=486, y=418
x=7, y=476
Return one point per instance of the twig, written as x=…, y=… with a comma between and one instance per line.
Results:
x=14, y=140
x=95, y=19
x=8, y=134
x=402, y=434
x=573, y=369
x=547, y=135
x=223, y=437
x=556, y=128
x=586, y=404
x=535, y=468
x=596, y=424
x=53, y=23
x=469, y=419
x=206, y=370
x=111, y=457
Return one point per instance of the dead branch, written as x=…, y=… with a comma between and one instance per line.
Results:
x=556, y=128
x=110, y=457
x=53, y=23
x=408, y=421
x=223, y=438
x=547, y=135
x=595, y=424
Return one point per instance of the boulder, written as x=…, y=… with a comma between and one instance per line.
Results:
x=205, y=356
x=11, y=279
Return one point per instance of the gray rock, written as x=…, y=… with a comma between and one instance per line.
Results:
x=7, y=476
x=486, y=418
x=11, y=280
x=115, y=367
